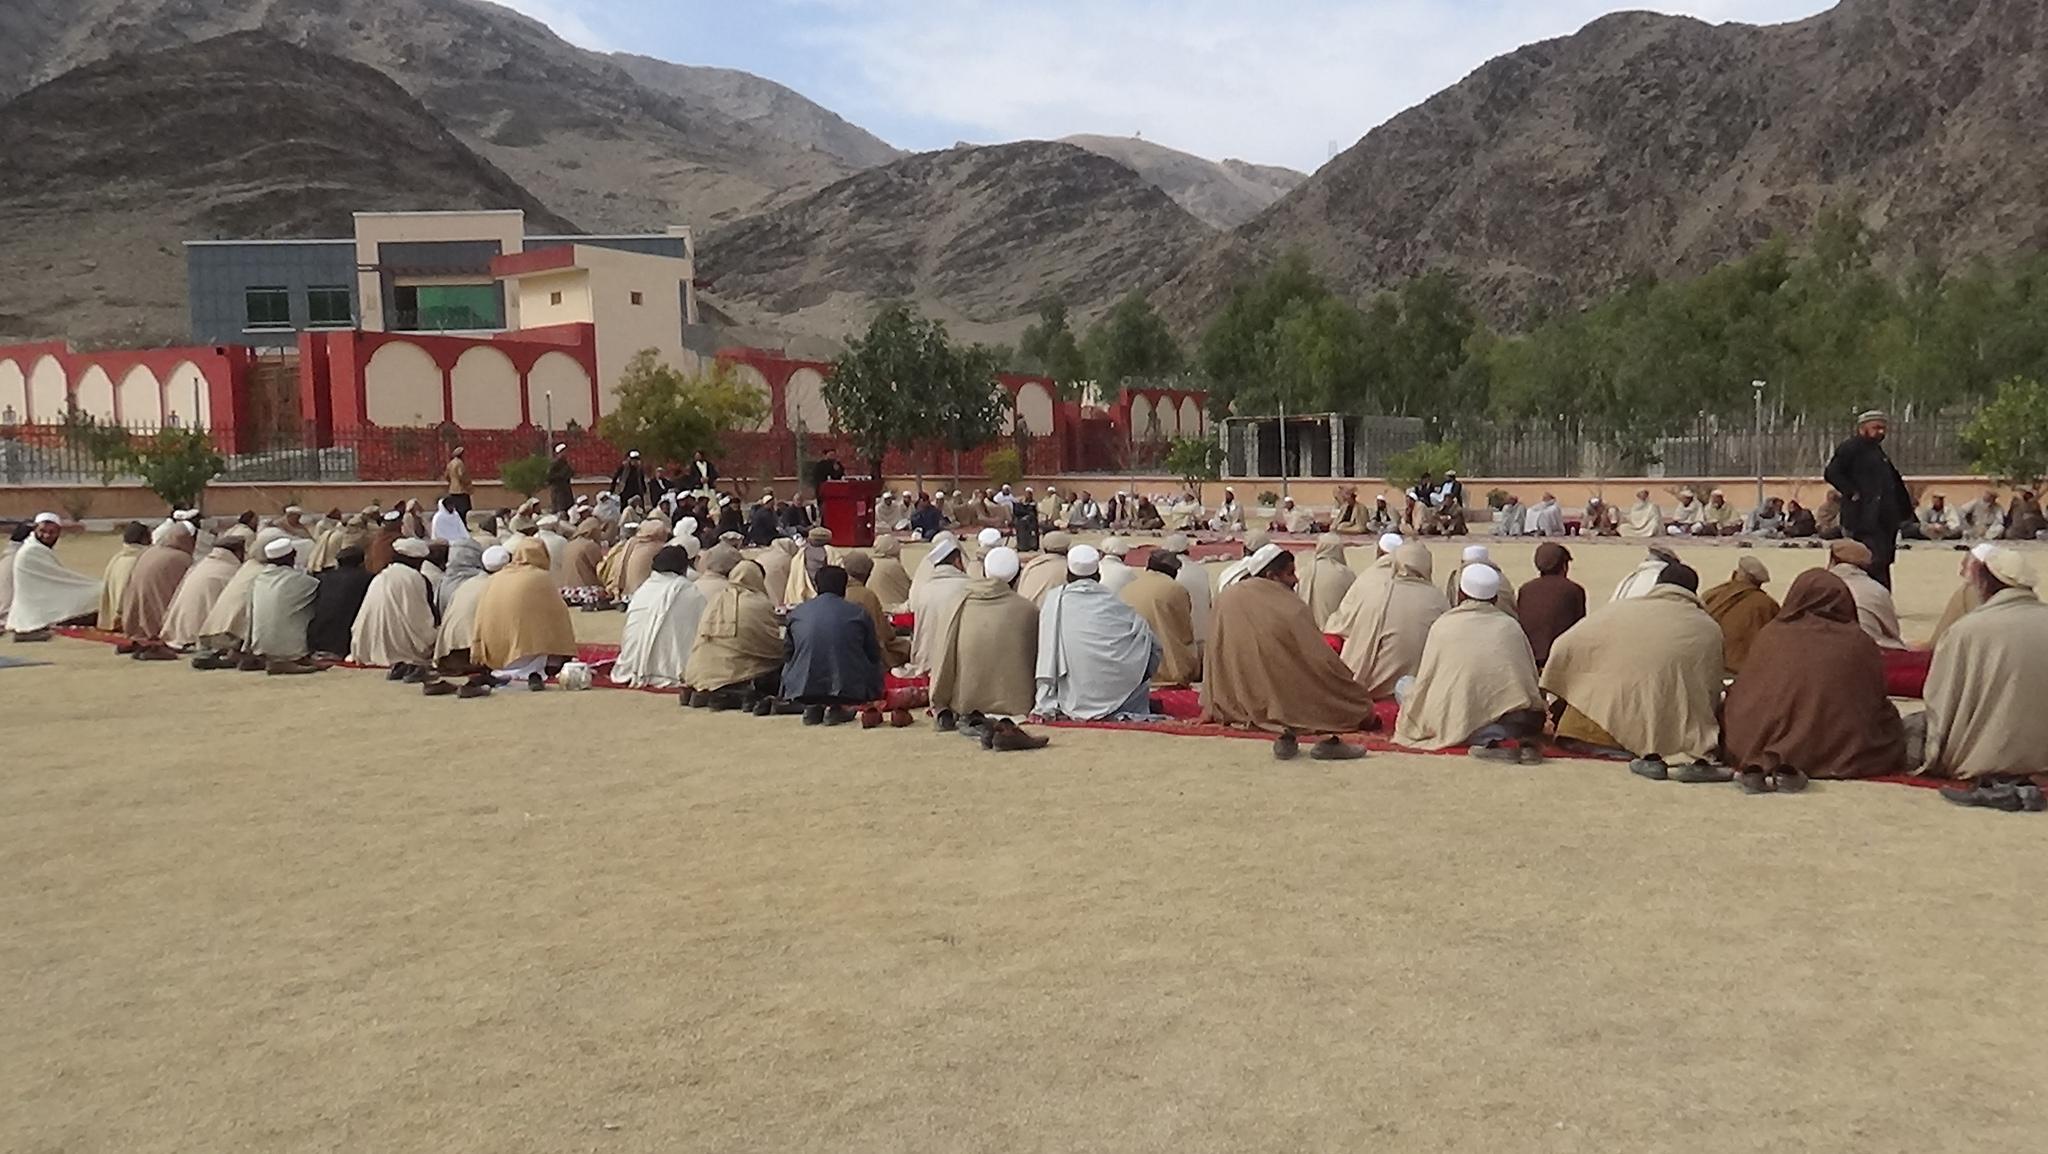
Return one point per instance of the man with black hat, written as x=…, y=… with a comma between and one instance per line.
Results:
x=560, y=476
x=1874, y=497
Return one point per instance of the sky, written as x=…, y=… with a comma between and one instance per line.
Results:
x=1270, y=81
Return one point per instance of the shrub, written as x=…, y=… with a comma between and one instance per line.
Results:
x=1269, y=499
x=526, y=475
x=1432, y=457
x=177, y=464
x=1195, y=459
x=1004, y=467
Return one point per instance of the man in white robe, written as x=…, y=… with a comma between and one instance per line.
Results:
x=661, y=624
x=45, y=592
x=1644, y=518
x=1238, y=570
x=1644, y=577
x=1095, y=653
x=1984, y=726
x=1546, y=517
x=396, y=626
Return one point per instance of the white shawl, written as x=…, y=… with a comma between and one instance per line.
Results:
x=45, y=592
x=1094, y=652
x=396, y=623
x=661, y=625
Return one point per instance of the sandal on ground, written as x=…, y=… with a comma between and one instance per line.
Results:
x=2004, y=798
x=1287, y=746
x=1754, y=781
x=1650, y=767
x=1792, y=780
x=1700, y=773
x=1496, y=751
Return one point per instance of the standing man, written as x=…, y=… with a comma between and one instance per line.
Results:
x=826, y=468
x=630, y=480
x=458, y=485
x=703, y=474
x=560, y=474
x=1874, y=497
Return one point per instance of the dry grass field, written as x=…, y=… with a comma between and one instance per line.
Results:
x=292, y=914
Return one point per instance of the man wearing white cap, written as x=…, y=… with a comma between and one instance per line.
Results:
x=549, y=532
x=1477, y=682
x=293, y=522
x=1267, y=666
x=1984, y=724
x=1480, y=555
x=46, y=593
x=395, y=626
x=281, y=611
x=984, y=541
x=448, y=524
x=985, y=647
x=1289, y=519
x=1115, y=572
x=561, y=475
x=629, y=480
x=1095, y=653
x=934, y=598
x=1193, y=577
x=225, y=632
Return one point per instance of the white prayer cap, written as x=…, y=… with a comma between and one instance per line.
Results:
x=908, y=493
x=1177, y=544
x=1002, y=563
x=687, y=527
x=943, y=546
x=990, y=538
x=48, y=519
x=184, y=514
x=2010, y=566
x=561, y=445
x=634, y=455
x=393, y=515
x=496, y=557
x=290, y=509
x=1084, y=561
x=690, y=545
x=409, y=547
x=550, y=521
x=1983, y=552
x=1264, y=559
x=1476, y=553
x=1479, y=582
x=1390, y=542
x=279, y=549
x=1116, y=546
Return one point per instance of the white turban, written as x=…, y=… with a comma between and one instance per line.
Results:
x=393, y=515
x=1084, y=561
x=687, y=527
x=409, y=547
x=496, y=557
x=1116, y=547
x=1474, y=554
x=1002, y=563
x=550, y=521
x=1390, y=542
x=1264, y=559
x=990, y=538
x=279, y=549
x=1983, y=552
x=1479, y=582
x=2010, y=566
x=48, y=519
x=943, y=546
x=1177, y=544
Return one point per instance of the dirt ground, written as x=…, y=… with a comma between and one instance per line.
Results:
x=249, y=913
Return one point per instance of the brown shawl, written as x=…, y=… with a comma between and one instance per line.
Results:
x=197, y=593
x=1168, y=607
x=583, y=555
x=520, y=614
x=380, y=550
x=146, y=602
x=1742, y=609
x=985, y=652
x=638, y=560
x=1812, y=696
x=114, y=583
x=1550, y=604
x=1269, y=667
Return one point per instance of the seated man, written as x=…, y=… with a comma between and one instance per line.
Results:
x=1269, y=668
x=1766, y=520
x=225, y=633
x=1481, y=555
x=281, y=611
x=1602, y=519
x=736, y=659
x=831, y=662
x=1115, y=573
x=343, y=588
x=661, y=623
x=1048, y=570
x=523, y=629
x=47, y=594
x=1326, y=579
x=457, y=632
x=890, y=581
x=2024, y=520
x=1238, y=570
x=1646, y=575
x=859, y=567
x=1644, y=518
x=1477, y=682
x=985, y=647
x=1168, y=609
x=1511, y=519
x=1982, y=519
x=1546, y=517
x=1552, y=603
x=1937, y=522
x=933, y=602
x=395, y=626
x=1850, y=560
x=1380, y=519
x=1984, y=725
x=1288, y=518
x=1811, y=700
x=1685, y=519
x=152, y=586
x=1800, y=523
x=1350, y=514
x=1741, y=608
x=1641, y=677
x=1717, y=517
x=1096, y=655
x=114, y=582
x=1385, y=619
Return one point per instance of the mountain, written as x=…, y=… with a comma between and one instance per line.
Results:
x=778, y=111
x=111, y=166
x=974, y=235
x=1221, y=194
x=1664, y=144
x=570, y=125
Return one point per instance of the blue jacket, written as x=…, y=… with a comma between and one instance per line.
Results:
x=830, y=653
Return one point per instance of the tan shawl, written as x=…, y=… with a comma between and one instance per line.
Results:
x=930, y=606
x=1476, y=669
x=1385, y=619
x=114, y=584
x=1984, y=714
x=521, y=614
x=1269, y=667
x=1963, y=601
x=196, y=596
x=458, y=622
x=227, y=626
x=890, y=582
x=1741, y=608
x=1644, y=519
x=583, y=555
x=1506, y=602
x=1167, y=607
x=1648, y=671
x=737, y=638
x=986, y=655
x=638, y=561
x=1326, y=579
x=152, y=586
x=332, y=542
x=1040, y=576
x=611, y=572
x=1875, y=611
x=775, y=562
x=396, y=623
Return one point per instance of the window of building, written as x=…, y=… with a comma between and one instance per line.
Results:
x=330, y=307
x=447, y=308
x=555, y=298
x=636, y=298
x=267, y=306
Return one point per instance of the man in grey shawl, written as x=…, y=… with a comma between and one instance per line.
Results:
x=281, y=611
x=1096, y=655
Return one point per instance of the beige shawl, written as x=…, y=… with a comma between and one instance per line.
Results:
x=1040, y=576
x=890, y=582
x=396, y=622
x=1385, y=619
x=1961, y=603
x=151, y=588
x=930, y=605
x=1476, y=669
x=775, y=564
x=582, y=556
x=1325, y=580
x=1984, y=713
x=986, y=656
x=521, y=614
x=1648, y=671
x=227, y=626
x=1644, y=519
x=1507, y=588
x=1875, y=611
x=737, y=638
x=196, y=595
x=458, y=622
x=114, y=585
x=638, y=560
x=1167, y=607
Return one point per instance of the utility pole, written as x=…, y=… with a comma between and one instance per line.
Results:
x=1757, y=440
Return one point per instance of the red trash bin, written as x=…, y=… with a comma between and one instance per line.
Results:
x=847, y=508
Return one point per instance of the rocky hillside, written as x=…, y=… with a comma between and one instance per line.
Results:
x=110, y=167
x=570, y=125
x=763, y=104
x=1665, y=144
x=974, y=235
x=1222, y=194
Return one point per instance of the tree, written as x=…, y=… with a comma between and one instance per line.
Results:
x=1229, y=352
x=967, y=401
x=1316, y=356
x=889, y=388
x=2009, y=438
x=1049, y=347
x=104, y=444
x=177, y=464
x=1434, y=458
x=1195, y=459
x=669, y=415
x=525, y=475
x=1131, y=341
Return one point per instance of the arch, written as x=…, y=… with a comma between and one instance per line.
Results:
x=188, y=397
x=1193, y=422
x=1034, y=406
x=485, y=390
x=140, y=397
x=95, y=394
x=402, y=386
x=14, y=390
x=47, y=389
x=1141, y=418
x=803, y=402
x=748, y=374
x=564, y=377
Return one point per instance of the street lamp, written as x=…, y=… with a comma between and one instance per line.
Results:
x=1757, y=440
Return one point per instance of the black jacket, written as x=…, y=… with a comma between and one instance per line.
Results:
x=630, y=481
x=830, y=653
x=1874, y=496
x=335, y=606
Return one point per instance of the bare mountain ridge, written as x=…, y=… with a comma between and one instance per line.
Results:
x=1665, y=144
x=111, y=166
x=776, y=110
x=1222, y=194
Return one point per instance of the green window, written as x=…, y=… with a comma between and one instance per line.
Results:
x=442, y=308
x=268, y=306
x=330, y=307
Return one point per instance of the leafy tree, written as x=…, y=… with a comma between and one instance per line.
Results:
x=1316, y=355
x=905, y=381
x=1131, y=342
x=1432, y=457
x=1003, y=466
x=967, y=402
x=104, y=444
x=1049, y=347
x=1229, y=354
x=177, y=465
x=1195, y=459
x=525, y=475
x=2010, y=436
x=669, y=415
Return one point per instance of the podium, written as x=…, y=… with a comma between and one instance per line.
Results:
x=847, y=508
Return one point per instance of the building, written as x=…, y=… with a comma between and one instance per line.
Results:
x=427, y=272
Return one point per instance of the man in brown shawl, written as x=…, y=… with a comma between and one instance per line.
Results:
x=859, y=567
x=984, y=654
x=1165, y=604
x=134, y=539
x=382, y=541
x=1552, y=603
x=1642, y=676
x=1741, y=608
x=1810, y=701
x=890, y=581
x=1325, y=580
x=201, y=588
x=1984, y=724
x=146, y=602
x=582, y=556
x=1269, y=667
x=638, y=559
x=1385, y=619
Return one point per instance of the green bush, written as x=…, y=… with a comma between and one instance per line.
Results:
x=1004, y=467
x=1195, y=459
x=527, y=475
x=1432, y=457
x=2009, y=438
x=177, y=464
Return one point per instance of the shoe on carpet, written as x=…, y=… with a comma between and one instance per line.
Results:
x=1792, y=781
x=248, y=663
x=2004, y=798
x=468, y=692
x=871, y=718
x=535, y=683
x=1331, y=749
x=32, y=636
x=814, y=715
x=213, y=661
x=439, y=688
x=1650, y=767
x=837, y=715
x=1700, y=773
x=398, y=672
x=1530, y=754
x=1496, y=751
x=1009, y=737
x=946, y=722
x=1755, y=781
x=1287, y=746
x=417, y=675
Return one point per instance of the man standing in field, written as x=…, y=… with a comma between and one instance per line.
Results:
x=1874, y=497
x=561, y=475
x=457, y=475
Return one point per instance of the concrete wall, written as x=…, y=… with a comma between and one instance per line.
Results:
x=199, y=386
x=218, y=276
x=506, y=228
